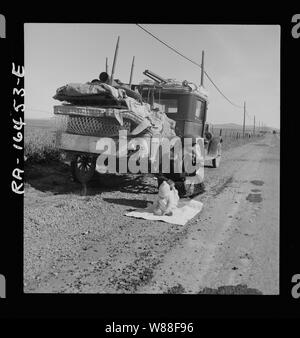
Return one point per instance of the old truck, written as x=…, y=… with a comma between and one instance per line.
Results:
x=185, y=103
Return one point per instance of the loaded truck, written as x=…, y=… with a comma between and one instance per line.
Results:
x=105, y=106
x=85, y=126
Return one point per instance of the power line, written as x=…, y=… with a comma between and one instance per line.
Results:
x=192, y=61
x=234, y=104
x=173, y=49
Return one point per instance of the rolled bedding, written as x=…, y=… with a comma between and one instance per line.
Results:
x=93, y=92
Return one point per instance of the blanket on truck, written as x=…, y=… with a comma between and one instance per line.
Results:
x=145, y=121
x=94, y=91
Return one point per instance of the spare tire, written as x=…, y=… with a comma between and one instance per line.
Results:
x=208, y=135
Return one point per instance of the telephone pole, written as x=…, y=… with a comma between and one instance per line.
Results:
x=115, y=61
x=131, y=72
x=106, y=66
x=244, y=119
x=254, y=126
x=202, y=69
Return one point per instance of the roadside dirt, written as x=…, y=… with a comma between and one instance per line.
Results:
x=85, y=244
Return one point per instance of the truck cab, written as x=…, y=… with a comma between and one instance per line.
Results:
x=187, y=108
x=186, y=104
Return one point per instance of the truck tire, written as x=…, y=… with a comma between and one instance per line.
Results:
x=216, y=161
x=83, y=167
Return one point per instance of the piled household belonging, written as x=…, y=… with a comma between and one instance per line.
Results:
x=100, y=99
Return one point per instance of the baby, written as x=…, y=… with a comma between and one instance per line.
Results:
x=166, y=200
x=174, y=192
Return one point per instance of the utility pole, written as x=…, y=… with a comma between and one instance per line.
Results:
x=131, y=72
x=254, y=126
x=114, y=62
x=106, y=66
x=244, y=119
x=202, y=69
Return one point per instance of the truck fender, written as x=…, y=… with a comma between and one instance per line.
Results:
x=213, y=146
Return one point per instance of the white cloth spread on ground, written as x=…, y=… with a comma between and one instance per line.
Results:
x=185, y=211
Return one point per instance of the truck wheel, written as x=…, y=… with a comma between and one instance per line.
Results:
x=216, y=161
x=83, y=167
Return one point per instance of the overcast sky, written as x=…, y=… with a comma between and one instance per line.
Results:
x=244, y=61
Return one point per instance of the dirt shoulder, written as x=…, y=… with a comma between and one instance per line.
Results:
x=75, y=243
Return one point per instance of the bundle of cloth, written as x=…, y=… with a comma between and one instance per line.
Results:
x=94, y=92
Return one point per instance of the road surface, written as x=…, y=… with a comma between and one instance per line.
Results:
x=83, y=244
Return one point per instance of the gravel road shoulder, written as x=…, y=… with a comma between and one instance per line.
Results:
x=77, y=244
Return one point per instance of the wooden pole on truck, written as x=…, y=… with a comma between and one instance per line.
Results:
x=244, y=119
x=202, y=69
x=114, y=62
x=106, y=65
x=131, y=72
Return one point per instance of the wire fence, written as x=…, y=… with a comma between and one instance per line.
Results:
x=228, y=133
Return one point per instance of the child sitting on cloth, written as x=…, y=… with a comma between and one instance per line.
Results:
x=174, y=192
x=167, y=199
